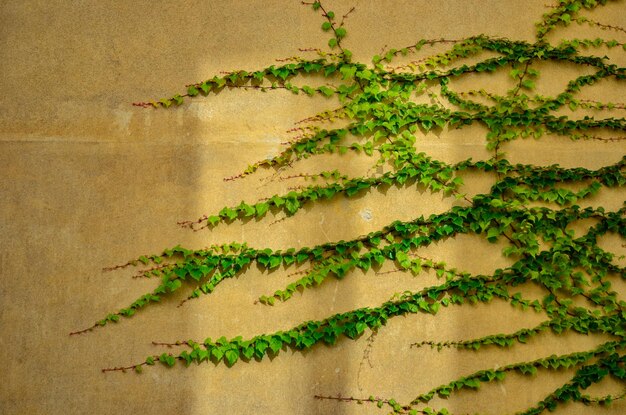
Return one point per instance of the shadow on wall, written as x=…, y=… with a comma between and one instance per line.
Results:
x=217, y=137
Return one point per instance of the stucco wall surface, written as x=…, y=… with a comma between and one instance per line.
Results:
x=89, y=181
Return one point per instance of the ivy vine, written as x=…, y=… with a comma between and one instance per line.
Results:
x=529, y=208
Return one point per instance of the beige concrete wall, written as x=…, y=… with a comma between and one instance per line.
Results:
x=88, y=181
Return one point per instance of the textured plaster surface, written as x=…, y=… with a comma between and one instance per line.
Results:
x=88, y=181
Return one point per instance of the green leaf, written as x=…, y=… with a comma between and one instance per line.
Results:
x=292, y=205
x=260, y=347
x=248, y=352
x=196, y=274
x=326, y=91
x=217, y=353
x=472, y=383
x=228, y=213
x=275, y=344
x=308, y=90
x=261, y=209
x=326, y=26
x=247, y=210
x=277, y=201
x=205, y=87
x=403, y=260
x=347, y=71
x=174, y=285
x=231, y=357
x=167, y=359
x=275, y=261
x=492, y=234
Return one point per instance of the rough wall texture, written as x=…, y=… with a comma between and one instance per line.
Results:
x=88, y=181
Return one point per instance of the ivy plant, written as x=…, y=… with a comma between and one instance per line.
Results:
x=530, y=209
